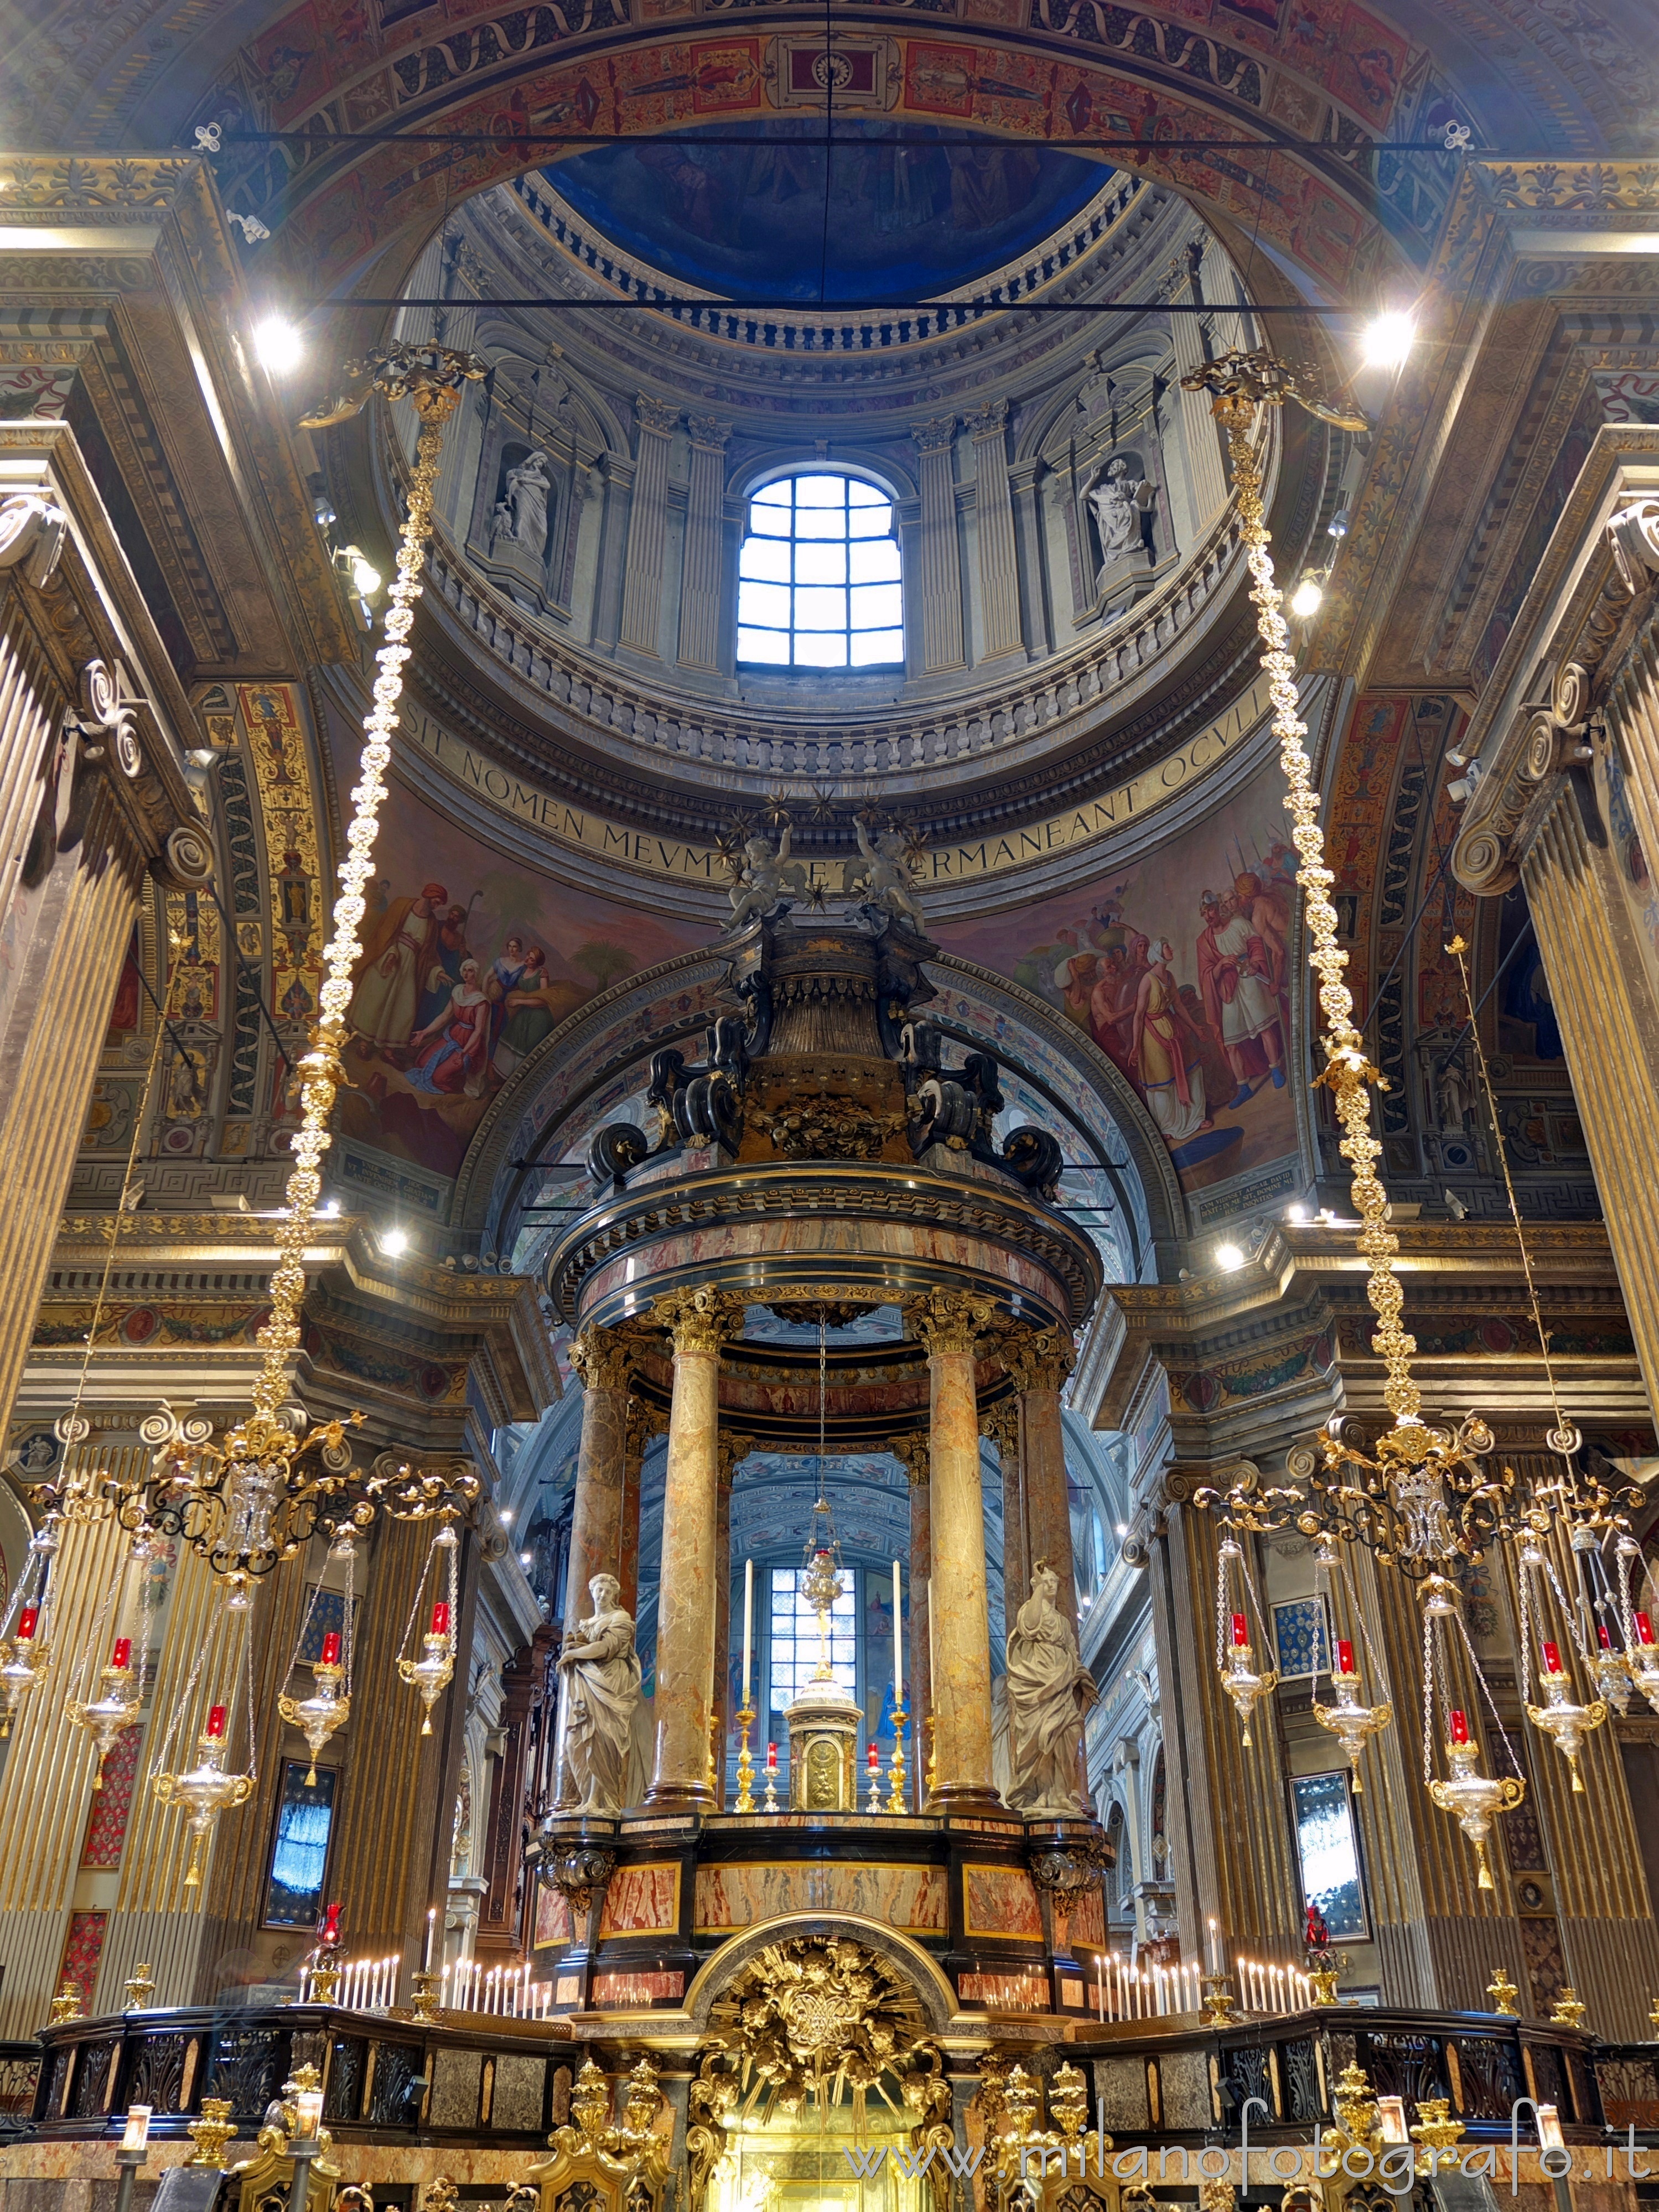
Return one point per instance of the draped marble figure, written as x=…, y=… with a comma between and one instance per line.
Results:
x=1049, y=1690
x=602, y=1690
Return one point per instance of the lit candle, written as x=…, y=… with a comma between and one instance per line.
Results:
x=1552, y=1657
x=873, y=1759
x=1241, y=1629
x=1605, y=1635
x=1215, y=1949
x=217, y=1716
x=431, y=1918
x=332, y=1648
x=1344, y=1655
x=441, y=1617
x=1643, y=1629
x=26, y=1623
x=1460, y=1727
x=898, y=1637
x=771, y=1759
x=748, y=1622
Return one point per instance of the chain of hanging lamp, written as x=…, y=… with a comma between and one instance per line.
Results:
x=1422, y=1498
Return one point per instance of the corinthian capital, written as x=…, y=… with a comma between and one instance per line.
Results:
x=914, y=1454
x=949, y=1321
x=699, y=1321
x=604, y=1357
x=656, y=416
x=988, y=420
x=731, y=1451
x=934, y=436
x=708, y=432
x=1037, y=1358
x=644, y=1422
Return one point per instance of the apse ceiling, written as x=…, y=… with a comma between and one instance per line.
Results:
x=755, y=212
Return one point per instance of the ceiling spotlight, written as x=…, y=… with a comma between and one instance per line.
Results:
x=1338, y=524
x=279, y=345
x=1296, y=1213
x=1387, y=340
x=395, y=1242
x=524, y=1558
x=1229, y=1255
x=1308, y=598
x=330, y=1210
x=366, y=578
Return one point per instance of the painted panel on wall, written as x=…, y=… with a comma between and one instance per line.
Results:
x=1177, y=966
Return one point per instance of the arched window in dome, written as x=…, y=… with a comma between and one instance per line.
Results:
x=818, y=575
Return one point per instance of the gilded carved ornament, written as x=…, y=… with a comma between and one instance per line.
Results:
x=1037, y=1358
x=731, y=1451
x=604, y=1357
x=914, y=1453
x=699, y=1321
x=949, y=1321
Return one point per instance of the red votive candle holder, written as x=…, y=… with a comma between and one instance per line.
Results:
x=441, y=1617
x=122, y=1655
x=771, y=1759
x=217, y=1718
x=332, y=1648
x=1241, y=1629
x=1643, y=1629
x=1551, y=1658
x=1460, y=1727
x=1605, y=1635
x=1344, y=1655
x=28, y=1620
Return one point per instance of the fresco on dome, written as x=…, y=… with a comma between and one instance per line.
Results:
x=468, y=961
x=750, y=221
x=1177, y=966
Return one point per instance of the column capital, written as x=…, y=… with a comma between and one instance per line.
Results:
x=949, y=1321
x=1037, y=1358
x=708, y=433
x=730, y=1452
x=644, y=1422
x=988, y=421
x=934, y=436
x=1000, y=1423
x=604, y=1357
x=913, y=1454
x=699, y=1321
x=659, y=416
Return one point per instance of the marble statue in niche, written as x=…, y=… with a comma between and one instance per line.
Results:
x=521, y=512
x=601, y=1672
x=1120, y=500
x=1049, y=1691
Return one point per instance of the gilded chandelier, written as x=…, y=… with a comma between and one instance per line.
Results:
x=1423, y=1498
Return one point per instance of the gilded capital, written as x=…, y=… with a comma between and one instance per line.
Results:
x=699, y=1321
x=604, y=1357
x=730, y=1452
x=644, y=1422
x=914, y=1453
x=1000, y=1423
x=1037, y=1358
x=949, y=1321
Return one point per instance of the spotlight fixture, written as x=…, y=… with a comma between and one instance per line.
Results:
x=1229, y=1257
x=1296, y=1213
x=395, y=1242
x=279, y=345
x=1338, y=524
x=366, y=578
x=1308, y=598
x=1387, y=340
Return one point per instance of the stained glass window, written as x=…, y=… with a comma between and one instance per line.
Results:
x=818, y=580
x=1327, y=1849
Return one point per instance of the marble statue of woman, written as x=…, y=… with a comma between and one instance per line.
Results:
x=1118, y=506
x=1049, y=1690
x=601, y=1673
x=528, y=488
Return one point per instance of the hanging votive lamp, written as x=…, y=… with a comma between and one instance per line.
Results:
x=1563, y=1717
x=1473, y=1799
x=1351, y=1722
x=1245, y=1682
x=26, y=1645
x=1641, y=1650
x=429, y=1675
x=328, y=1705
x=210, y=1786
x=108, y=1717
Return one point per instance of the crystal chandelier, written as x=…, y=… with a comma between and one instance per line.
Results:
x=1422, y=1498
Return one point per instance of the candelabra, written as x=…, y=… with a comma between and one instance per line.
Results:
x=211, y=2132
x=746, y=1764
x=896, y=1796
x=137, y=1989
x=1501, y=1990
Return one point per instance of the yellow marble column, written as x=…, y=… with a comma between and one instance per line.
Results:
x=645, y=1422
x=1001, y=1426
x=699, y=1321
x=950, y=1323
x=1039, y=1360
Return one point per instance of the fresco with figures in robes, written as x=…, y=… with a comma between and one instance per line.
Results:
x=1177, y=966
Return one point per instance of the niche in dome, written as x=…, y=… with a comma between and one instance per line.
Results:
x=1121, y=502
x=513, y=520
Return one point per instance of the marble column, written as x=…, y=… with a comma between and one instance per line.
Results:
x=645, y=1423
x=949, y=1324
x=604, y=1357
x=994, y=511
x=1001, y=1425
x=524, y=1687
x=1200, y=438
x=698, y=1323
x=911, y=1453
x=732, y=1451
x=647, y=529
x=1039, y=1360
x=704, y=565
x=938, y=561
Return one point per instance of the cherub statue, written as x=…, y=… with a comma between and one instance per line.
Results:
x=762, y=879
x=886, y=881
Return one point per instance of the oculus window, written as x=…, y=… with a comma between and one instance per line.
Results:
x=819, y=583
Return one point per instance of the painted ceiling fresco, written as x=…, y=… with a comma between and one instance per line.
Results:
x=751, y=221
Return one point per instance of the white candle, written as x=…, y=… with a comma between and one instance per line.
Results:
x=748, y=1623
x=1215, y=1950
x=431, y=1917
x=1100, y=1986
x=898, y=1638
